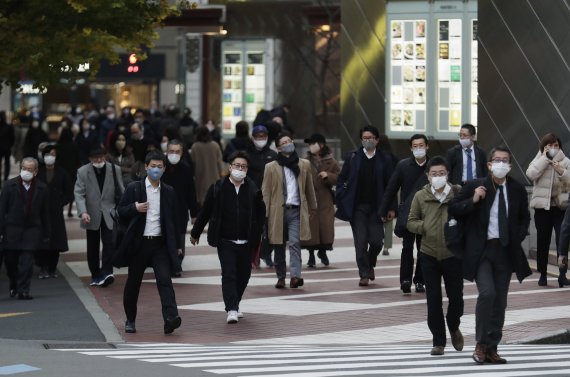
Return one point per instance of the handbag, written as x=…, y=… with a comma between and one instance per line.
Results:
x=401, y=225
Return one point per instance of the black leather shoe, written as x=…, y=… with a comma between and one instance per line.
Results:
x=130, y=327
x=24, y=296
x=172, y=324
x=542, y=280
x=12, y=293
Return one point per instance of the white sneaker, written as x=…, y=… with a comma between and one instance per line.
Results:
x=240, y=314
x=232, y=316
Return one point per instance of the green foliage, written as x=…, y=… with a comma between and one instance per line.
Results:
x=46, y=41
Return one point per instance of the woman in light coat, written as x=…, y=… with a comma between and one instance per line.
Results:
x=324, y=169
x=208, y=164
x=550, y=174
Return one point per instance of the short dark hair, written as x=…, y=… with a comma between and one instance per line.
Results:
x=549, y=138
x=155, y=155
x=500, y=148
x=419, y=136
x=238, y=154
x=437, y=161
x=471, y=128
x=242, y=129
x=281, y=136
x=373, y=130
x=175, y=142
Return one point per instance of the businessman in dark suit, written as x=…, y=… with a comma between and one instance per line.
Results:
x=151, y=239
x=24, y=225
x=495, y=215
x=466, y=161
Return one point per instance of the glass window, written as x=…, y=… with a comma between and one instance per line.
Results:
x=449, y=74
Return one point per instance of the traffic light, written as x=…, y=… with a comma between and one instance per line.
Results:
x=133, y=67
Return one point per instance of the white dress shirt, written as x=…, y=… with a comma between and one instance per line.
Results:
x=27, y=185
x=292, y=187
x=152, y=226
x=473, y=164
x=366, y=153
x=441, y=197
x=493, y=230
x=237, y=187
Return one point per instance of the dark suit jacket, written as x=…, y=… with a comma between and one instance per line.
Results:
x=476, y=223
x=21, y=231
x=347, y=182
x=136, y=224
x=564, y=241
x=455, y=160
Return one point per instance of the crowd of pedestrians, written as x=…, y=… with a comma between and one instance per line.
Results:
x=139, y=178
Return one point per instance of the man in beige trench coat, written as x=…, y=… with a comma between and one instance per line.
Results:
x=289, y=195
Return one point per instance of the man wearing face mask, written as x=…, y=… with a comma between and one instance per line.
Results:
x=427, y=217
x=180, y=175
x=495, y=213
x=151, y=239
x=260, y=155
x=235, y=210
x=409, y=177
x=95, y=195
x=467, y=161
x=289, y=195
x=24, y=225
x=359, y=193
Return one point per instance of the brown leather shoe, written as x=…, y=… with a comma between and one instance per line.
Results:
x=363, y=282
x=480, y=353
x=437, y=351
x=491, y=356
x=371, y=274
x=296, y=282
x=457, y=340
x=280, y=283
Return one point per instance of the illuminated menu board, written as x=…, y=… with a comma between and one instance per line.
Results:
x=254, y=84
x=232, y=109
x=408, y=75
x=449, y=68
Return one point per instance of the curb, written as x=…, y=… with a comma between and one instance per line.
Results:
x=555, y=337
x=101, y=318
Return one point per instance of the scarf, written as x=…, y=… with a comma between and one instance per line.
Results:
x=291, y=162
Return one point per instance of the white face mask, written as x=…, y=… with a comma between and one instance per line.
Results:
x=465, y=142
x=260, y=144
x=552, y=152
x=238, y=175
x=49, y=160
x=419, y=152
x=438, y=182
x=314, y=148
x=26, y=175
x=98, y=165
x=173, y=158
x=500, y=169
x=163, y=147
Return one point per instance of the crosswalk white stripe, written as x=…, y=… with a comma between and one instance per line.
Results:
x=333, y=357
x=336, y=365
x=488, y=368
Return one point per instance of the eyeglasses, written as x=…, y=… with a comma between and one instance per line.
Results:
x=368, y=138
x=504, y=160
x=438, y=174
x=239, y=166
x=285, y=143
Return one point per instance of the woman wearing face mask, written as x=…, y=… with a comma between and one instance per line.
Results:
x=324, y=169
x=121, y=155
x=427, y=218
x=60, y=190
x=550, y=174
x=85, y=140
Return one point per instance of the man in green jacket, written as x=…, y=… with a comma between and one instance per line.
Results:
x=427, y=218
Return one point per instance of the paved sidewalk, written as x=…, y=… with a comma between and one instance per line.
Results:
x=329, y=309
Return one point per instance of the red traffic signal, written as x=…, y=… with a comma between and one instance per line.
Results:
x=132, y=68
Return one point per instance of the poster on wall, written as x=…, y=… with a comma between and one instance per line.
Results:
x=231, y=91
x=449, y=80
x=408, y=75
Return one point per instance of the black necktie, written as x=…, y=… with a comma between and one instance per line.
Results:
x=503, y=221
